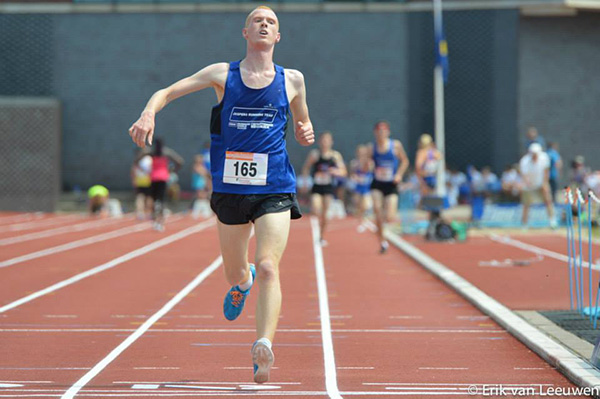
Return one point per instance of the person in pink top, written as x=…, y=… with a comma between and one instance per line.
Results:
x=159, y=176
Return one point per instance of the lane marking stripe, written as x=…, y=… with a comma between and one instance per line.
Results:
x=536, y=250
x=80, y=243
x=330, y=369
x=82, y=382
x=243, y=330
x=62, y=230
x=40, y=223
x=573, y=367
x=121, y=259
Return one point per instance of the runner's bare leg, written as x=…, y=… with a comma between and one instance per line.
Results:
x=272, y=232
x=234, y=247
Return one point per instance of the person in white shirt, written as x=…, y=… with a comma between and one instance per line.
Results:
x=535, y=172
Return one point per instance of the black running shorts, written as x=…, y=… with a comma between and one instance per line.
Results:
x=245, y=208
x=386, y=188
x=322, y=189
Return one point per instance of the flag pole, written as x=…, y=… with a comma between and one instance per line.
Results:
x=438, y=94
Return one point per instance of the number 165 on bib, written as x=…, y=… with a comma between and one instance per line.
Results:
x=246, y=168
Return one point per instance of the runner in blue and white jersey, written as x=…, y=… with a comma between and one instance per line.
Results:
x=253, y=180
x=390, y=164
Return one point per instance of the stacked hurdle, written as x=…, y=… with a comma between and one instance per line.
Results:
x=575, y=253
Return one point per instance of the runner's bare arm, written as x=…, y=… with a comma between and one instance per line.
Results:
x=340, y=165
x=419, y=161
x=213, y=76
x=310, y=161
x=303, y=128
x=401, y=154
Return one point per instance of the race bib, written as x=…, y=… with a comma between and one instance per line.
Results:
x=245, y=168
x=361, y=179
x=322, y=178
x=384, y=173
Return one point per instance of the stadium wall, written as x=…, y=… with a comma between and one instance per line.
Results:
x=105, y=67
x=359, y=67
x=559, y=88
x=30, y=153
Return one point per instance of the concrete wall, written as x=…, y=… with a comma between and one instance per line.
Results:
x=559, y=88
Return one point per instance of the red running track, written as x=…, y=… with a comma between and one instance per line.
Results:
x=542, y=284
x=396, y=330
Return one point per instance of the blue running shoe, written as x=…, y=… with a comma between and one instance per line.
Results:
x=235, y=298
x=263, y=359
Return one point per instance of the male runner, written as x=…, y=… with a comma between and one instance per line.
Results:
x=253, y=180
x=390, y=164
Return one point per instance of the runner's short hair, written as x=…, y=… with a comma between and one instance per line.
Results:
x=380, y=123
x=257, y=8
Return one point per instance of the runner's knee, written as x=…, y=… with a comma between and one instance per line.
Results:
x=266, y=270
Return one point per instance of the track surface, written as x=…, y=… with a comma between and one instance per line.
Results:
x=540, y=283
x=396, y=330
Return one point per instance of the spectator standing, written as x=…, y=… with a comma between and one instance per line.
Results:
x=579, y=173
x=556, y=166
x=533, y=136
x=535, y=171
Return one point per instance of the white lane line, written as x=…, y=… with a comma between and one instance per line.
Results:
x=478, y=384
x=145, y=386
x=356, y=368
x=80, y=243
x=156, y=368
x=20, y=218
x=40, y=224
x=75, y=388
x=241, y=330
x=44, y=368
x=200, y=387
x=62, y=230
x=572, y=366
x=121, y=259
x=536, y=250
x=427, y=388
x=242, y=393
x=533, y=368
x=330, y=371
x=201, y=382
x=245, y=368
x=150, y=393
x=443, y=368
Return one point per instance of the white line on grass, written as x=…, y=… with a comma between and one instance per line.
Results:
x=330, y=370
x=121, y=259
x=75, y=388
x=80, y=243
